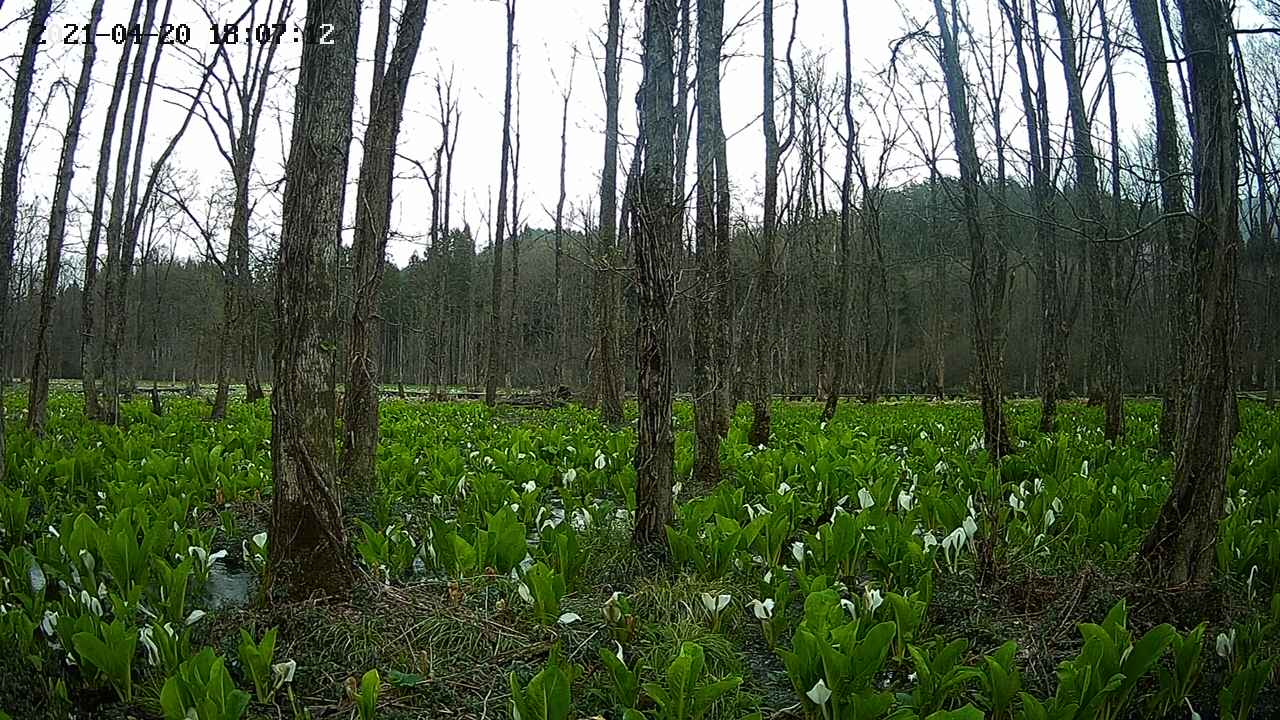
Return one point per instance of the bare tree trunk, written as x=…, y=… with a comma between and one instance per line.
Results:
x=846, y=207
x=980, y=285
x=88, y=311
x=121, y=225
x=308, y=551
x=1180, y=548
x=766, y=291
x=38, y=396
x=1146, y=21
x=558, y=329
x=656, y=232
x=606, y=375
x=500, y=225
x=9, y=176
x=1050, y=297
x=707, y=377
x=683, y=122
x=515, y=324
x=1263, y=223
x=1101, y=252
x=369, y=250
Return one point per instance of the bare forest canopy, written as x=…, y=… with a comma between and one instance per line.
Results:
x=910, y=271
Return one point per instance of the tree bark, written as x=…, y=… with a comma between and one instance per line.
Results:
x=496, y=343
x=38, y=395
x=558, y=329
x=1146, y=22
x=88, y=311
x=990, y=383
x=762, y=367
x=707, y=377
x=656, y=232
x=1049, y=366
x=121, y=239
x=1180, y=548
x=1101, y=250
x=606, y=375
x=9, y=176
x=369, y=249
x=309, y=555
x=846, y=208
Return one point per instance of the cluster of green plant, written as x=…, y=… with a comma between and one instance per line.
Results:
x=828, y=542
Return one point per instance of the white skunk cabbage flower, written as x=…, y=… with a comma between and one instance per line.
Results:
x=715, y=605
x=970, y=527
x=1049, y=518
x=153, y=652
x=797, y=551
x=569, y=476
x=612, y=611
x=865, y=500
x=523, y=591
x=874, y=598
x=600, y=460
x=530, y=486
x=849, y=605
x=819, y=693
x=762, y=609
x=195, y=617
x=906, y=501
x=1226, y=643
x=283, y=672
x=569, y=618
x=90, y=603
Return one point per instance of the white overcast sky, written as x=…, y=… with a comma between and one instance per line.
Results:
x=467, y=38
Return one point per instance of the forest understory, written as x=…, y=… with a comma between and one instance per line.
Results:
x=494, y=541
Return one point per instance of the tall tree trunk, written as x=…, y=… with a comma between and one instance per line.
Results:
x=656, y=232
x=88, y=294
x=990, y=383
x=1146, y=22
x=1180, y=548
x=762, y=367
x=846, y=208
x=515, y=326
x=558, y=329
x=9, y=175
x=1038, y=142
x=119, y=225
x=1263, y=220
x=308, y=550
x=369, y=250
x=606, y=374
x=496, y=343
x=38, y=396
x=707, y=377
x=1101, y=251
